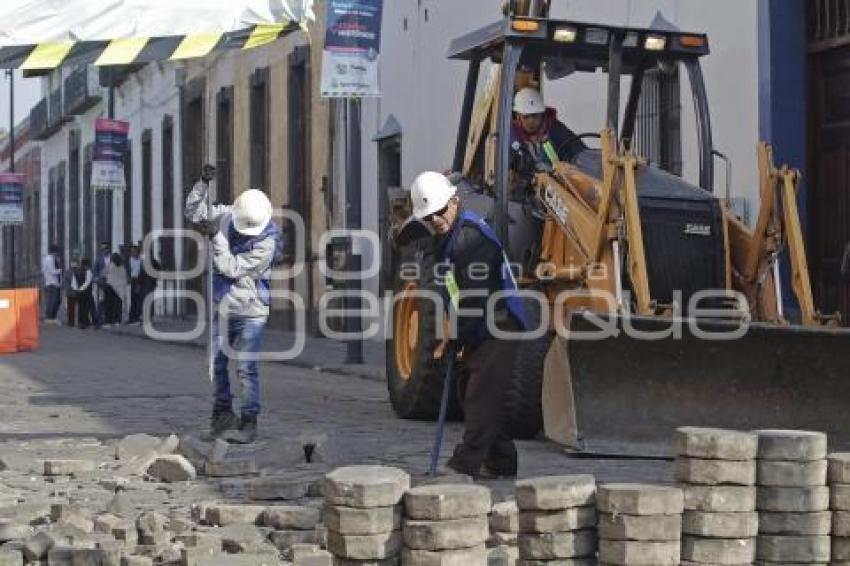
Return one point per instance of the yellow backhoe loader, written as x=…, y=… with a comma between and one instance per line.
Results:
x=663, y=307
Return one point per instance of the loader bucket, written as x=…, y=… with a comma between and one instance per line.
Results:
x=629, y=394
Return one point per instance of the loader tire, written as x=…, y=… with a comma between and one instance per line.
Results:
x=523, y=409
x=414, y=377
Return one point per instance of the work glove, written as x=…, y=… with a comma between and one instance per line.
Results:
x=521, y=160
x=211, y=227
x=208, y=228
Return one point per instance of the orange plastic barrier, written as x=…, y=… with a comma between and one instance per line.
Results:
x=8, y=323
x=28, y=317
x=19, y=318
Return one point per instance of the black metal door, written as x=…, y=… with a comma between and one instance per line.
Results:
x=193, y=150
x=167, y=242
x=830, y=176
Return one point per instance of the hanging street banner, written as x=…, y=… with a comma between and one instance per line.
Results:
x=110, y=146
x=352, y=48
x=11, y=198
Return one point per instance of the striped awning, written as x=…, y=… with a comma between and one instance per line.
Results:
x=37, y=35
x=129, y=51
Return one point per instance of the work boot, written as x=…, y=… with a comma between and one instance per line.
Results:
x=486, y=473
x=221, y=422
x=247, y=432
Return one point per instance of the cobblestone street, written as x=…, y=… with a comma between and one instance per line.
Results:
x=99, y=445
x=94, y=384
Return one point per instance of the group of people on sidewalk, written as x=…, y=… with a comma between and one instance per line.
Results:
x=110, y=292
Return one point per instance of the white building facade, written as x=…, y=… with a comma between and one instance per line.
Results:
x=761, y=54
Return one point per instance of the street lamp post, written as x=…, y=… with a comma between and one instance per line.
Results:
x=13, y=276
x=353, y=222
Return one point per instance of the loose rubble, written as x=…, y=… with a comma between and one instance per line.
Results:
x=768, y=497
x=144, y=501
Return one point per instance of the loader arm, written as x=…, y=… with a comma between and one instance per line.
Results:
x=754, y=253
x=590, y=223
x=800, y=280
x=619, y=215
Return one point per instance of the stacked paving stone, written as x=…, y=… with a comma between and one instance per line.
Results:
x=557, y=520
x=716, y=469
x=793, y=499
x=839, y=485
x=504, y=526
x=639, y=524
x=446, y=525
x=363, y=514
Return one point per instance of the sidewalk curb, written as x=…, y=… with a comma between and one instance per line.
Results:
x=360, y=371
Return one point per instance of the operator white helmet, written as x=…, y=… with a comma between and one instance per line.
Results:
x=529, y=101
x=252, y=211
x=430, y=192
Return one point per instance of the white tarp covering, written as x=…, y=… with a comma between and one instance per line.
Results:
x=28, y=22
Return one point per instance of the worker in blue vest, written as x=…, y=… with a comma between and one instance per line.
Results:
x=246, y=244
x=473, y=266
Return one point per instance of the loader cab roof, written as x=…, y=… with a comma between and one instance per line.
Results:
x=586, y=44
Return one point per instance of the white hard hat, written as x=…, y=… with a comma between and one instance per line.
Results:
x=430, y=192
x=529, y=101
x=252, y=211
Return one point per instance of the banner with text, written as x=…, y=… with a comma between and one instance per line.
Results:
x=11, y=198
x=351, y=55
x=110, y=147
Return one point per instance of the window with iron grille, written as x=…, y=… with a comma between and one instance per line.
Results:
x=828, y=24
x=259, y=130
x=128, y=193
x=298, y=132
x=658, y=128
x=51, y=206
x=33, y=239
x=224, y=145
x=103, y=211
x=167, y=242
x=74, y=192
x=60, y=207
x=147, y=183
x=88, y=198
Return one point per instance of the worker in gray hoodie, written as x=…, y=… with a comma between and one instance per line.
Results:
x=245, y=245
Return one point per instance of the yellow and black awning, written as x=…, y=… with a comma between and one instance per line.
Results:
x=136, y=50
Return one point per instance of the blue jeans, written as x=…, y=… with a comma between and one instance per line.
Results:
x=245, y=335
x=54, y=301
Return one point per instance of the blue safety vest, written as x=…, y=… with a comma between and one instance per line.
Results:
x=513, y=302
x=240, y=244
